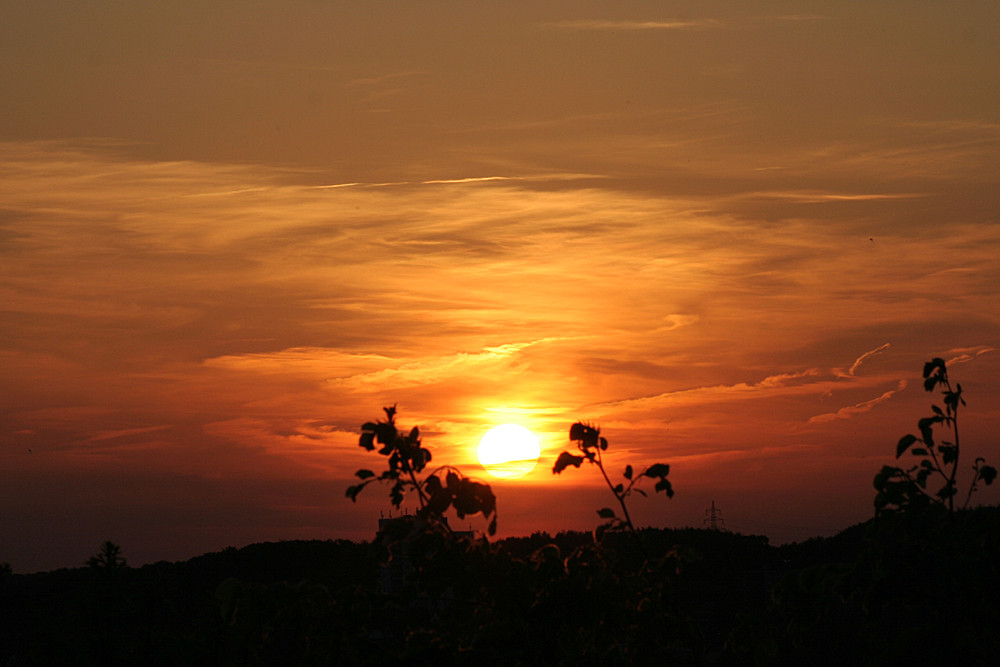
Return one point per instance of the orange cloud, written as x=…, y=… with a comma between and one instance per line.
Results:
x=859, y=408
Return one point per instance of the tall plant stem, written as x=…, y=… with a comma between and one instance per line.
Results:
x=420, y=492
x=620, y=497
x=953, y=413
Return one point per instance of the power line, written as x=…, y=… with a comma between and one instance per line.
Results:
x=714, y=517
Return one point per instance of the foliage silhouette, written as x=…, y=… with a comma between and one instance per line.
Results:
x=591, y=445
x=919, y=587
x=903, y=489
x=443, y=488
x=108, y=559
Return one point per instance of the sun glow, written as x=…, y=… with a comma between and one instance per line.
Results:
x=509, y=451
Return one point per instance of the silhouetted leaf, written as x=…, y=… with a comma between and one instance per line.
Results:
x=421, y=457
x=926, y=425
x=988, y=474
x=606, y=513
x=353, y=491
x=665, y=486
x=566, y=459
x=619, y=488
x=920, y=451
x=385, y=433
x=432, y=485
x=949, y=454
x=641, y=493
x=604, y=443
x=930, y=366
x=439, y=497
x=585, y=434
x=367, y=441
x=657, y=470
x=471, y=497
x=628, y=472
x=934, y=372
x=492, y=530
x=364, y=474
x=904, y=444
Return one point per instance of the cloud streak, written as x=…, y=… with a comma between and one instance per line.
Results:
x=859, y=408
x=867, y=355
x=585, y=24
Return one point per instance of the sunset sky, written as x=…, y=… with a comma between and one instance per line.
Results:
x=729, y=233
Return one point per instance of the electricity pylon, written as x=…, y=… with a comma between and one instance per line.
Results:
x=713, y=517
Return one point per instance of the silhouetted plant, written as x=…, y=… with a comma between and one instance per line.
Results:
x=591, y=445
x=109, y=558
x=900, y=488
x=444, y=487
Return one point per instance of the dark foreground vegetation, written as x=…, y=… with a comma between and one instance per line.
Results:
x=901, y=589
x=916, y=585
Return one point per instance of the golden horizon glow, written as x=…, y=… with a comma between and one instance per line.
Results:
x=509, y=451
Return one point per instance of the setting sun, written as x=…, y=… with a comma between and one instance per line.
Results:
x=731, y=235
x=509, y=451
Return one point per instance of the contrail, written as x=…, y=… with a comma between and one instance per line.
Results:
x=871, y=353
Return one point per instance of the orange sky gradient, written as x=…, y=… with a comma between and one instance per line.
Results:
x=730, y=233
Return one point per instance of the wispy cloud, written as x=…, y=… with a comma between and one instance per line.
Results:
x=773, y=385
x=472, y=179
x=859, y=408
x=427, y=371
x=964, y=355
x=543, y=177
x=125, y=432
x=871, y=353
x=818, y=197
x=585, y=24
x=676, y=321
x=801, y=17
x=308, y=360
x=384, y=78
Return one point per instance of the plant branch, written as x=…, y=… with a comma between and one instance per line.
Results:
x=621, y=501
x=922, y=490
x=416, y=485
x=954, y=429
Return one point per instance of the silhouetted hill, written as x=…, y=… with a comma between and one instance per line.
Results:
x=908, y=586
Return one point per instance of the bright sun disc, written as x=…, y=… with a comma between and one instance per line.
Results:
x=509, y=451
